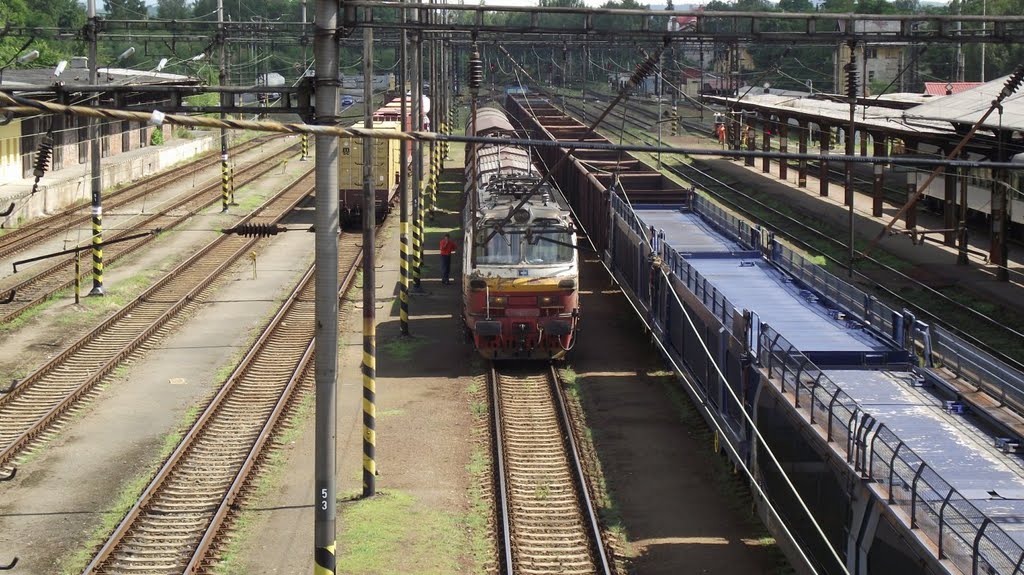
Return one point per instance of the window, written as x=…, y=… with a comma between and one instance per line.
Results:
x=871, y=75
x=502, y=249
x=546, y=248
x=871, y=53
x=550, y=248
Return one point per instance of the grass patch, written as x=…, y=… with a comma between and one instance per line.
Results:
x=268, y=481
x=391, y=533
x=401, y=348
x=608, y=510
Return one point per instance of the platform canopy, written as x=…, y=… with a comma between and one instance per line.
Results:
x=968, y=106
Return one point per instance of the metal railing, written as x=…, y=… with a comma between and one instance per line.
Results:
x=695, y=282
x=735, y=228
x=962, y=533
x=837, y=293
x=978, y=368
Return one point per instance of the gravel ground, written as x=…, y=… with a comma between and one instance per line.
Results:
x=117, y=438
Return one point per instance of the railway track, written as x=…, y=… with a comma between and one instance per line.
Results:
x=547, y=519
x=179, y=517
x=22, y=294
x=32, y=408
x=23, y=237
x=893, y=195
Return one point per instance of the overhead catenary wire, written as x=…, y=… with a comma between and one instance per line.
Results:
x=24, y=106
x=917, y=282
x=721, y=431
x=733, y=449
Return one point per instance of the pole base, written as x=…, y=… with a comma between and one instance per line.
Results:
x=224, y=211
x=97, y=291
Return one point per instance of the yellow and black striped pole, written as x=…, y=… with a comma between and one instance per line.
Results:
x=435, y=174
x=305, y=148
x=231, y=184
x=225, y=182
x=403, y=191
x=97, y=250
x=403, y=291
x=369, y=369
x=417, y=234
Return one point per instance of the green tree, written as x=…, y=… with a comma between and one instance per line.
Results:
x=66, y=14
x=173, y=9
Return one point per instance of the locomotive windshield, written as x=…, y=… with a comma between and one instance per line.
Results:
x=544, y=248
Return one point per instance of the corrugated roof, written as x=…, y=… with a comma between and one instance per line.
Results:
x=838, y=113
x=948, y=88
x=968, y=106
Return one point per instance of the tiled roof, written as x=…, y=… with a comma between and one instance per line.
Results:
x=946, y=88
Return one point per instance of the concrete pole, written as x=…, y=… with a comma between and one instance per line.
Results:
x=999, y=249
x=325, y=50
x=403, y=184
x=803, y=134
x=961, y=232
x=96, y=182
x=434, y=124
x=305, y=63
x=825, y=140
x=369, y=366
x=416, y=76
x=851, y=137
x=225, y=101
x=984, y=12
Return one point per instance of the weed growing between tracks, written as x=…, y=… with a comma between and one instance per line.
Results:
x=481, y=517
x=401, y=348
x=613, y=529
x=731, y=485
x=268, y=481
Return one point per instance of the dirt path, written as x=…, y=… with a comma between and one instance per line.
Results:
x=660, y=470
x=421, y=522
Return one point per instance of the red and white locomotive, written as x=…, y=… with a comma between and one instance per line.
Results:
x=520, y=266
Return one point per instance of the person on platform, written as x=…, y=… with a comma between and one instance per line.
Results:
x=447, y=249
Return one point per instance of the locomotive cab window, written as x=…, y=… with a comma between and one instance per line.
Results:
x=548, y=248
x=512, y=248
x=502, y=249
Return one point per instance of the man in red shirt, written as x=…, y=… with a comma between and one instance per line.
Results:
x=447, y=249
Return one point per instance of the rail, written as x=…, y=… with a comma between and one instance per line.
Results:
x=45, y=396
x=50, y=280
x=19, y=238
x=547, y=516
x=233, y=429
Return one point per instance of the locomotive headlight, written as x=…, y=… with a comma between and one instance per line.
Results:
x=548, y=301
x=498, y=301
x=567, y=284
x=477, y=285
